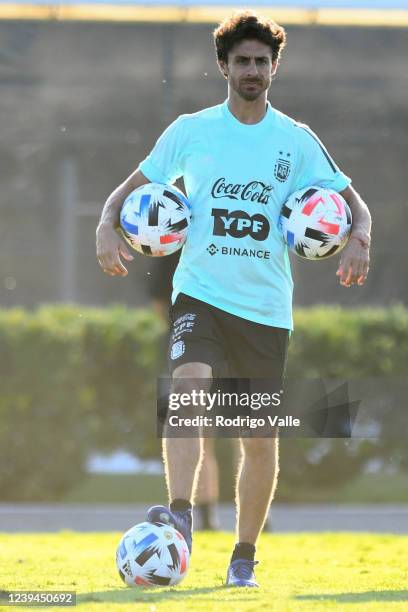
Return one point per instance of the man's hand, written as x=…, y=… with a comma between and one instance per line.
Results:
x=354, y=263
x=355, y=259
x=109, y=246
x=109, y=250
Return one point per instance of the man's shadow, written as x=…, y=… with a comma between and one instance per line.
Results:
x=363, y=597
x=151, y=595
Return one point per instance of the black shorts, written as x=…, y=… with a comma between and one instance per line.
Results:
x=234, y=347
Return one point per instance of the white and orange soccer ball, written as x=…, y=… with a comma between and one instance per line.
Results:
x=154, y=219
x=152, y=554
x=316, y=222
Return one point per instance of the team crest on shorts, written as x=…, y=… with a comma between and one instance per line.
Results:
x=282, y=169
x=177, y=350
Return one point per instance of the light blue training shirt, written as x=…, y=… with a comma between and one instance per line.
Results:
x=237, y=178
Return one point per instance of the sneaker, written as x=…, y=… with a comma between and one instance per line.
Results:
x=241, y=573
x=182, y=521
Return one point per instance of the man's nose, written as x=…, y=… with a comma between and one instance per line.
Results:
x=252, y=68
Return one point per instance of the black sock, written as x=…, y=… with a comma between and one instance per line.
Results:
x=243, y=550
x=180, y=505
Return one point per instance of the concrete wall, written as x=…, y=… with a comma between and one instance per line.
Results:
x=91, y=99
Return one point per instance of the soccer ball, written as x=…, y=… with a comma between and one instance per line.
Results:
x=152, y=554
x=315, y=222
x=154, y=219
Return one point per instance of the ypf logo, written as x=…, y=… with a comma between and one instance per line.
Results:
x=239, y=224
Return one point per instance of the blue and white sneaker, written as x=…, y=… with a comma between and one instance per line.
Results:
x=241, y=573
x=182, y=521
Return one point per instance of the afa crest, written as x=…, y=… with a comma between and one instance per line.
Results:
x=282, y=169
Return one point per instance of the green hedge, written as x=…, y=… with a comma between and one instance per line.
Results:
x=332, y=342
x=76, y=379
x=343, y=344
x=72, y=379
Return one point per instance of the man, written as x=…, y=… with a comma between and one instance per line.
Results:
x=234, y=279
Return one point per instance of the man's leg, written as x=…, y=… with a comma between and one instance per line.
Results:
x=182, y=457
x=256, y=484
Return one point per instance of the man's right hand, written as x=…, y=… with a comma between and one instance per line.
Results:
x=109, y=250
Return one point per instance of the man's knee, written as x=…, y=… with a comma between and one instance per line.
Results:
x=189, y=386
x=195, y=369
x=192, y=376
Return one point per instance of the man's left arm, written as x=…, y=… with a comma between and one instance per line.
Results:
x=355, y=258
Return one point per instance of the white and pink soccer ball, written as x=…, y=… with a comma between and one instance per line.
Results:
x=316, y=222
x=152, y=554
x=154, y=219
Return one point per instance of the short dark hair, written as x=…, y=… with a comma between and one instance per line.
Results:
x=248, y=25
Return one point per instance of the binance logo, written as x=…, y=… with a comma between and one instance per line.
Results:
x=212, y=249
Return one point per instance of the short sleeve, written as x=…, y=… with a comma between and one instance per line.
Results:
x=163, y=164
x=316, y=165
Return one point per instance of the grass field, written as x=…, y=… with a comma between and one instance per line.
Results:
x=297, y=572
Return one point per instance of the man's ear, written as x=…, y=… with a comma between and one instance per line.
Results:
x=223, y=66
x=275, y=65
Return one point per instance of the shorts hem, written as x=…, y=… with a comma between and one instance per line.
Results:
x=203, y=298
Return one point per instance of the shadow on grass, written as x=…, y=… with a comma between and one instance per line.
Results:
x=128, y=595
x=363, y=597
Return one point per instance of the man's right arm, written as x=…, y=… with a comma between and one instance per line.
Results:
x=109, y=245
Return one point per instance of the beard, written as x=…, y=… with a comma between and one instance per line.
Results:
x=249, y=96
x=249, y=90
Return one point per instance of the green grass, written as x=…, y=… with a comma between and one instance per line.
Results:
x=142, y=488
x=297, y=572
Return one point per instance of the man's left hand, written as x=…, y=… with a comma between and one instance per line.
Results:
x=354, y=263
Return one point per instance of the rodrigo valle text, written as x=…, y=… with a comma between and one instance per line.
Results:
x=220, y=421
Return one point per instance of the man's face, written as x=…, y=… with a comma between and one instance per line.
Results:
x=249, y=69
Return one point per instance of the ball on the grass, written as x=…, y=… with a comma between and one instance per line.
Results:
x=152, y=554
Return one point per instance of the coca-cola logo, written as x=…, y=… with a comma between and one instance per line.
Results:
x=254, y=191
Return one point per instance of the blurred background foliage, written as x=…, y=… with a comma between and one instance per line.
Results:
x=77, y=380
